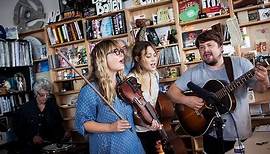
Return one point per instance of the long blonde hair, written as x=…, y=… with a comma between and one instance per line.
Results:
x=100, y=70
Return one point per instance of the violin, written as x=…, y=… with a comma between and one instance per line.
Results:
x=130, y=90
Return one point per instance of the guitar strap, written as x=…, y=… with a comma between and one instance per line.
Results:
x=229, y=68
x=229, y=71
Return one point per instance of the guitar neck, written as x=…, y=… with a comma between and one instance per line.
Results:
x=235, y=84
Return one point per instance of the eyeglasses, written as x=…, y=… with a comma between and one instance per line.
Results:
x=43, y=94
x=117, y=51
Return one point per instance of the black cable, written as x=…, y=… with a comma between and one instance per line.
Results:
x=236, y=130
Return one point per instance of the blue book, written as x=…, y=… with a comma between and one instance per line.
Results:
x=106, y=27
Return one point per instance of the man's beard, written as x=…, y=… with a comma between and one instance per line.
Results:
x=214, y=61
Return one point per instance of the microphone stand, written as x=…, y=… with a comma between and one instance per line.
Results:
x=218, y=122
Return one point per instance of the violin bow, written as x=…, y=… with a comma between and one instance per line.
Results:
x=88, y=82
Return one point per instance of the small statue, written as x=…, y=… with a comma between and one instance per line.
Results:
x=20, y=85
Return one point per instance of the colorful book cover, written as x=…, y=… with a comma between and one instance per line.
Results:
x=188, y=10
x=189, y=38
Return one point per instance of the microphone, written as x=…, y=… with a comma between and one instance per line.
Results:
x=209, y=97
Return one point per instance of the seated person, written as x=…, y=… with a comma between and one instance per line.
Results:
x=39, y=122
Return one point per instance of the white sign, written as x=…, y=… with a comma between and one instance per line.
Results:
x=104, y=6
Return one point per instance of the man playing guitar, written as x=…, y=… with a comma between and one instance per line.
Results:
x=210, y=45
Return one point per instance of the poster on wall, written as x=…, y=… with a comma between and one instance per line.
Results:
x=104, y=6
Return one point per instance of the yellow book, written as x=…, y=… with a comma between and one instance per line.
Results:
x=60, y=34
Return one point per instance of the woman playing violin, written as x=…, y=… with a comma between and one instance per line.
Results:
x=145, y=59
x=107, y=132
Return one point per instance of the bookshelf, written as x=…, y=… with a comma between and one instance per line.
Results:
x=67, y=88
x=67, y=37
x=169, y=51
x=39, y=51
x=16, y=79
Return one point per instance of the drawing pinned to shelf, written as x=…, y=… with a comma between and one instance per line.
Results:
x=264, y=13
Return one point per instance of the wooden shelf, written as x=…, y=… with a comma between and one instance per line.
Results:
x=104, y=15
x=167, y=46
x=167, y=80
x=110, y=37
x=65, y=68
x=260, y=117
x=67, y=43
x=169, y=65
x=148, y=6
x=190, y=48
x=40, y=60
x=72, y=79
x=15, y=93
x=162, y=25
x=169, y=23
x=260, y=6
x=67, y=92
x=65, y=21
x=194, y=62
x=195, y=48
x=205, y=20
x=260, y=102
x=254, y=23
x=31, y=31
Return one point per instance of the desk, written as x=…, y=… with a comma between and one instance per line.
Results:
x=252, y=148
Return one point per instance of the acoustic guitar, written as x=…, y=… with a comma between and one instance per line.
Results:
x=197, y=123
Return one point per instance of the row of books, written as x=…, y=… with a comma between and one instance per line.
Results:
x=253, y=15
x=190, y=36
x=201, y=9
x=66, y=32
x=70, y=74
x=107, y=26
x=76, y=54
x=11, y=103
x=15, y=53
x=169, y=55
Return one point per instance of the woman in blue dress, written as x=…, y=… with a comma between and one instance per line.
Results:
x=107, y=133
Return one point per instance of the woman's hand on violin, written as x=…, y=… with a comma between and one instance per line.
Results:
x=195, y=102
x=120, y=126
x=159, y=147
x=155, y=125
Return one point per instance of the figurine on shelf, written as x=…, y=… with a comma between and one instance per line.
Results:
x=20, y=80
x=19, y=84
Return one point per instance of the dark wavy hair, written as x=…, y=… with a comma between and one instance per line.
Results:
x=138, y=50
x=209, y=35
